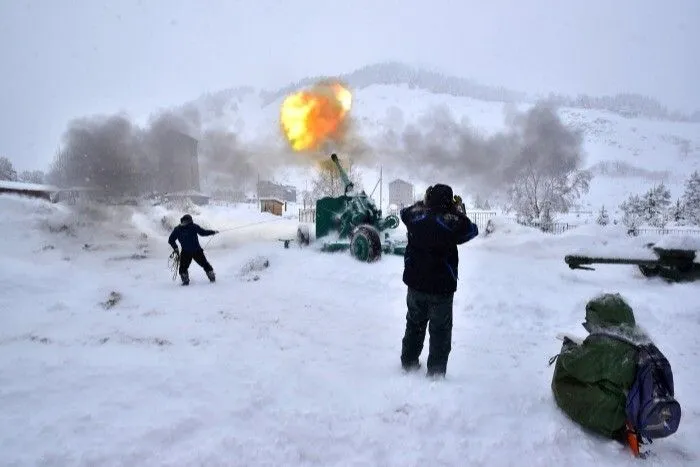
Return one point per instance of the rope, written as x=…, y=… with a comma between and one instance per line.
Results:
x=174, y=258
x=240, y=227
x=174, y=263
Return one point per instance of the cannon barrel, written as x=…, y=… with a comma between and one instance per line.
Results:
x=576, y=261
x=344, y=176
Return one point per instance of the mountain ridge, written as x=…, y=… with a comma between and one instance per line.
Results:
x=625, y=104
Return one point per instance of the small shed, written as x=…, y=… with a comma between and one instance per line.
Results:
x=272, y=205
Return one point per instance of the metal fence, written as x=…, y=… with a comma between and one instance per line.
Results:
x=481, y=219
x=558, y=227
x=307, y=215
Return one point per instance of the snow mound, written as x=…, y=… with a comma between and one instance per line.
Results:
x=677, y=242
x=499, y=226
x=249, y=271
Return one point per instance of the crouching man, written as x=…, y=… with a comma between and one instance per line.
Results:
x=187, y=234
x=435, y=227
x=615, y=382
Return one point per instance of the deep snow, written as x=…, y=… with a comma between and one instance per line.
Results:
x=301, y=366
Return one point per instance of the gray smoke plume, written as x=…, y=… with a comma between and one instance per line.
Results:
x=226, y=161
x=100, y=152
x=440, y=148
x=115, y=155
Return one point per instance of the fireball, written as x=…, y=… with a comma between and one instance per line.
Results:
x=311, y=117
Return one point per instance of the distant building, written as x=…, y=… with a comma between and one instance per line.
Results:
x=401, y=193
x=267, y=189
x=178, y=163
x=272, y=205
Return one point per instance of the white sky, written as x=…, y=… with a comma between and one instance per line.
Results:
x=64, y=59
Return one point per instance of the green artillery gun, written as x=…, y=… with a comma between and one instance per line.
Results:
x=673, y=265
x=352, y=222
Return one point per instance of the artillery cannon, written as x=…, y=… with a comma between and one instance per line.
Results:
x=351, y=222
x=673, y=265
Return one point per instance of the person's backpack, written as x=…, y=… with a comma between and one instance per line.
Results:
x=652, y=410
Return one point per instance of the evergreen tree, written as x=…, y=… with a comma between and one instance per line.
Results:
x=632, y=212
x=677, y=214
x=691, y=199
x=603, y=218
x=656, y=203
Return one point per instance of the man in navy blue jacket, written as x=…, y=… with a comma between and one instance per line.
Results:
x=186, y=233
x=435, y=227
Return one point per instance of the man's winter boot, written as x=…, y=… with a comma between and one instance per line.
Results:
x=435, y=374
x=185, y=278
x=410, y=367
x=211, y=276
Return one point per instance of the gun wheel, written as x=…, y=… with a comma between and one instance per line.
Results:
x=365, y=244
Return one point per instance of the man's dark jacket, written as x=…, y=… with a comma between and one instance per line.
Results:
x=431, y=258
x=187, y=235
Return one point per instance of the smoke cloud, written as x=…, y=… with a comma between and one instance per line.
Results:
x=440, y=148
x=116, y=155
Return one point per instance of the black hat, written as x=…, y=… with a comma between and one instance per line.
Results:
x=439, y=196
x=186, y=219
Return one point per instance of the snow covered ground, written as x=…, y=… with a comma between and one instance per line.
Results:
x=298, y=363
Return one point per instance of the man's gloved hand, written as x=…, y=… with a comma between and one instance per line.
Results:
x=459, y=204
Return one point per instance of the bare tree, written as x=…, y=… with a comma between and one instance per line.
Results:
x=58, y=171
x=537, y=190
x=7, y=170
x=32, y=176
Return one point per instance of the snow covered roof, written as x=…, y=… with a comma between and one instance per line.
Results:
x=9, y=185
x=272, y=198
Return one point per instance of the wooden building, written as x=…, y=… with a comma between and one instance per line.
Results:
x=272, y=205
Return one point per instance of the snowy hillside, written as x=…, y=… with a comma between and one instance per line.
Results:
x=106, y=361
x=627, y=155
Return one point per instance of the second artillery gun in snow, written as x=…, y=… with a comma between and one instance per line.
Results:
x=671, y=264
x=352, y=222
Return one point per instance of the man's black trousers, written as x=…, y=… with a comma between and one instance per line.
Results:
x=434, y=313
x=186, y=258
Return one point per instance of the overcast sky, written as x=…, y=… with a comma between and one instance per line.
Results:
x=62, y=59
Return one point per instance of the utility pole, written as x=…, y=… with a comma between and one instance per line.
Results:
x=381, y=182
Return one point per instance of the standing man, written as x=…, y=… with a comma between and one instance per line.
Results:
x=435, y=227
x=187, y=233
